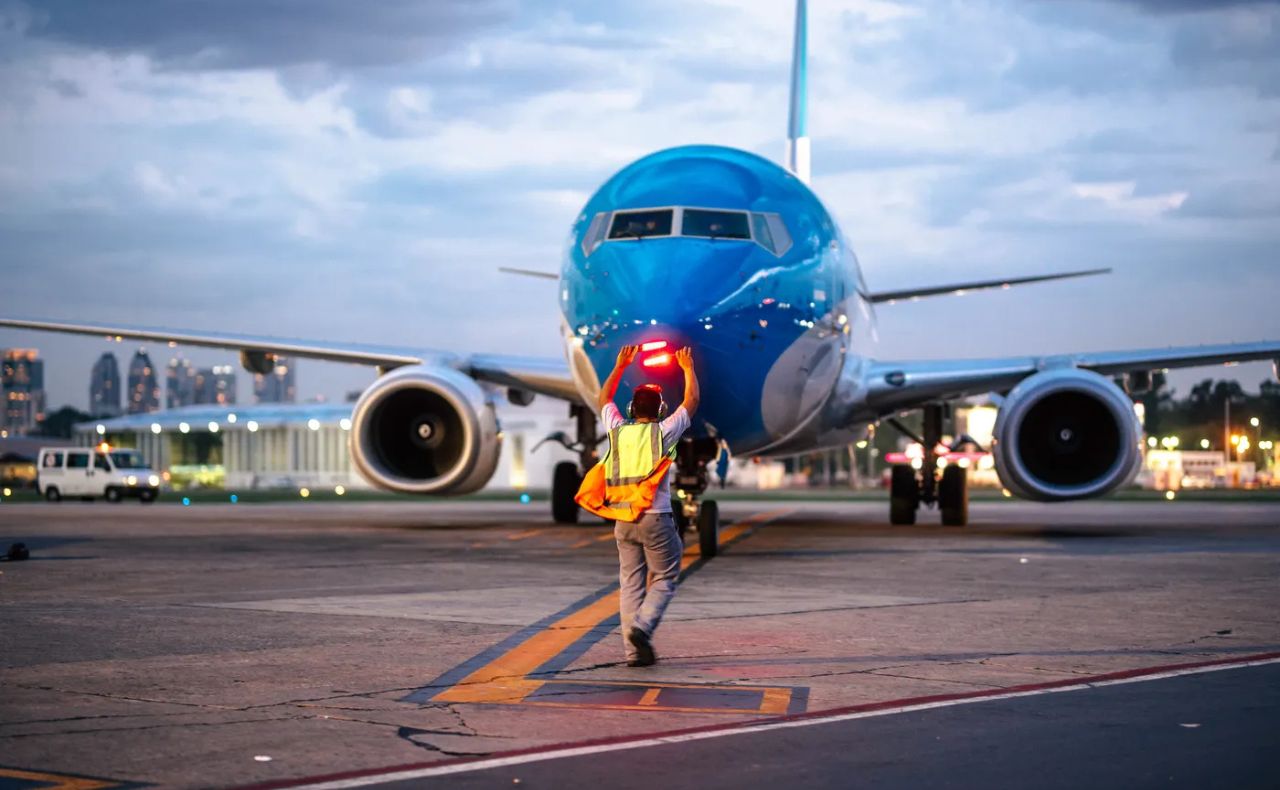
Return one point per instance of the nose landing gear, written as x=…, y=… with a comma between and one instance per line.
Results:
x=907, y=490
x=688, y=485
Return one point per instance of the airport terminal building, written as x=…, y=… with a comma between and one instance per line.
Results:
x=281, y=445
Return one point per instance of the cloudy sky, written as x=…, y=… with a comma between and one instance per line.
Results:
x=358, y=171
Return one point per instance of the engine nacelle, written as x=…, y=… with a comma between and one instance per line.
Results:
x=425, y=430
x=1066, y=434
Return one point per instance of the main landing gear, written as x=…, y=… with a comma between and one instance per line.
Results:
x=567, y=476
x=908, y=490
x=688, y=485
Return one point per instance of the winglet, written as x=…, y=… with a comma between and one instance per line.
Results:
x=961, y=288
x=798, y=124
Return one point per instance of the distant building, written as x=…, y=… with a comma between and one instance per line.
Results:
x=180, y=384
x=144, y=385
x=216, y=385
x=104, y=387
x=22, y=388
x=292, y=445
x=278, y=386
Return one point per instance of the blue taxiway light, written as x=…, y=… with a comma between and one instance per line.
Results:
x=525, y=499
x=186, y=501
x=234, y=499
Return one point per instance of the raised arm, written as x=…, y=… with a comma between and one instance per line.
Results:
x=625, y=356
x=691, y=396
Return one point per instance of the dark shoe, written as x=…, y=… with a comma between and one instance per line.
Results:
x=644, y=649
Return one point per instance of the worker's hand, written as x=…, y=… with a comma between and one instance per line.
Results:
x=684, y=358
x=627, y=355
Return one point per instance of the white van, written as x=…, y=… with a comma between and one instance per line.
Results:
x=95, y=472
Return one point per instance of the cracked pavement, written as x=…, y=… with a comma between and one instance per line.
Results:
x=175, y=645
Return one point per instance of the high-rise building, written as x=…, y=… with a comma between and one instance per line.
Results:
x=278, y=386
x=180, y=384
x=22, y=387
x=104, y=387
x=216, y=385
x=144, y=384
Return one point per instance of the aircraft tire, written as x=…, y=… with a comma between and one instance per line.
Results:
x=564, y=486
x=709, y=529
x=953, y=497
x=904, y=495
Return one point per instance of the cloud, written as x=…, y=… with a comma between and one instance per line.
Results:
x=240, y=34
x=358, y=172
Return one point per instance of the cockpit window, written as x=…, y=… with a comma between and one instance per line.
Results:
x=639, y=224
x=760, y=229
x=595, y=233
x=715, y=224
x=765, y=229
x=778, y=232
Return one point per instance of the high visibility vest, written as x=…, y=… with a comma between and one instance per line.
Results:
x=623, y=485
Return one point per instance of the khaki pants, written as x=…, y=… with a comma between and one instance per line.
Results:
x=650, y=545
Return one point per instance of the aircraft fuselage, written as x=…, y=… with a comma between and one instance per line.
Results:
x=726, y=252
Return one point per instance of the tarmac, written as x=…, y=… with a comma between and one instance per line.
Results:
x=475, y=645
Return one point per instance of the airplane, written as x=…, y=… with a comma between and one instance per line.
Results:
x=734, y=255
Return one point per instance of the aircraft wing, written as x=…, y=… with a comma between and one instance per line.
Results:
x=911, y=294
x=894, y=386
x=542, y=375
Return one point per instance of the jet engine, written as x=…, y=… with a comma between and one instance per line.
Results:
x=425, y=430
x=1066, y=434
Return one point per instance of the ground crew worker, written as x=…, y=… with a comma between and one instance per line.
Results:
x=640, y=451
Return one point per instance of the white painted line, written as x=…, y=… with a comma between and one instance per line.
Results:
x=580, y=751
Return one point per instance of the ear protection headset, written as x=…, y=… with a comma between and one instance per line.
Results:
x=662, y=403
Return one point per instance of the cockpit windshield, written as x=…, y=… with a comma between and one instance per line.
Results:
x=715, y=224
x=767, y=230
x=639, y=224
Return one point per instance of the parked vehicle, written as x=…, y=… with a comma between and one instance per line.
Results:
x=92, y=472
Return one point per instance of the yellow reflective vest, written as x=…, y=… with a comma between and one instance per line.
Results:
x=622, y=486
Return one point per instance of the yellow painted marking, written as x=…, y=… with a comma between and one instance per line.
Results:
x=504, y=680
x=776, y=701
x=650, y=697
x=504, y=677
x=662, y=708
x=662, y=685
x=56, y=781
x=582, y=544
x=521, y=535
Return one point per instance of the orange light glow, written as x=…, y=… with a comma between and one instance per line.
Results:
x=104, y=448
x=657, y=360
x=653, y=345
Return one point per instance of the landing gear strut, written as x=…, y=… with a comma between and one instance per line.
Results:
x=567, y=476
x=908, y=490
x=688, y=485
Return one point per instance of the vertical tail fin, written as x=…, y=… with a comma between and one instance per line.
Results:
x=798, y=125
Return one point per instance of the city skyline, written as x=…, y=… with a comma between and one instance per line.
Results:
x=104, y=386
x=21, y=390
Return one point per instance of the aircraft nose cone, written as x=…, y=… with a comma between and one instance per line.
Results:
x=653, y=282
